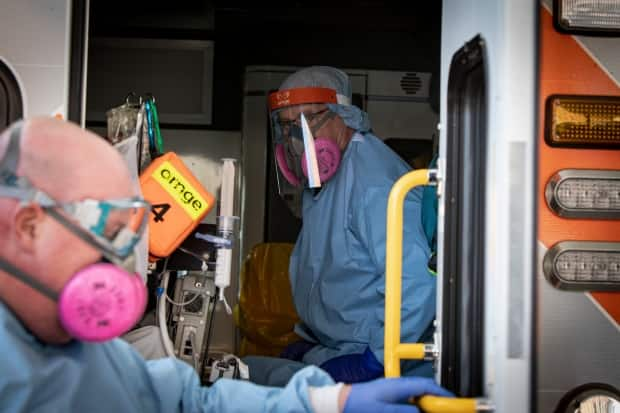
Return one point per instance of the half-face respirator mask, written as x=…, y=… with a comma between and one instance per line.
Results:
x=102, y=300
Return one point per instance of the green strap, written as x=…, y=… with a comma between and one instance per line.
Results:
x=158, y=139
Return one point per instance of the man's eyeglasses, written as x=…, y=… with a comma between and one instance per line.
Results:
x=312, y=118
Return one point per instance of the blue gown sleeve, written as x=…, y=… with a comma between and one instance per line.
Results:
x=419, y=285
x=112, y=376
x=177, y=383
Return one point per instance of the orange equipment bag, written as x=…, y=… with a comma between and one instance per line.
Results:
x=178, y=203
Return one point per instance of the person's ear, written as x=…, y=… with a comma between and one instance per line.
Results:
x=28, y=226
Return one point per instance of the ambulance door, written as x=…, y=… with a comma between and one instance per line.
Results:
x=11, y=103
x=35, y=52
x=486, y=207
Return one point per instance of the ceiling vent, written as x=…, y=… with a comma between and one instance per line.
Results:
x=411, y=83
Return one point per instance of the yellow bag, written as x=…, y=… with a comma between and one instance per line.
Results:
x=266, y=314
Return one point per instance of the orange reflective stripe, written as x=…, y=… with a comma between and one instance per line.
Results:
x=577, y=75
x=300, y=96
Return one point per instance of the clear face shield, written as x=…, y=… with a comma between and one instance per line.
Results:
x=302, y=161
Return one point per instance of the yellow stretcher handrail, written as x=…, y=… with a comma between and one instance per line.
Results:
x=394, y=350
x=434, y=404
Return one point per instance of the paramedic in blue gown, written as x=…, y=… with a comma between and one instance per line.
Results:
x=337, y=268
x=68, y=213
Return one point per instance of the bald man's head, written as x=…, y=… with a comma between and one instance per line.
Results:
x=68, y=164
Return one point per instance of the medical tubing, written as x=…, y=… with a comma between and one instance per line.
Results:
x=215, y=240
x=188, y=302
x=161, y=317
x=202, y=259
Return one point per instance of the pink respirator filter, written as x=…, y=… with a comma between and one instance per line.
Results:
x=101, y=302
x=327, y=156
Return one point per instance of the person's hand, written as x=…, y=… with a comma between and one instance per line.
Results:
x=295, y=351
x=387, y=395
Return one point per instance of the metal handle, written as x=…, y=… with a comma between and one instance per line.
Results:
x=434, y=404
x=394, y=350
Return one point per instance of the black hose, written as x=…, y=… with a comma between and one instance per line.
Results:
x=209, y=331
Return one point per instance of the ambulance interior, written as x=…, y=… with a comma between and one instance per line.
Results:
x=487, y=68
x=210, y=68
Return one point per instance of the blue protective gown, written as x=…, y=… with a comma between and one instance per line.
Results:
x=113, y=377
x=337, y=267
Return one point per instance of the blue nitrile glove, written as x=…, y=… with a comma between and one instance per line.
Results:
x=391, y=395
x=354, y=368
x=296, y=351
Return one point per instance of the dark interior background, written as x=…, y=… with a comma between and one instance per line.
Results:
x=368, y=34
